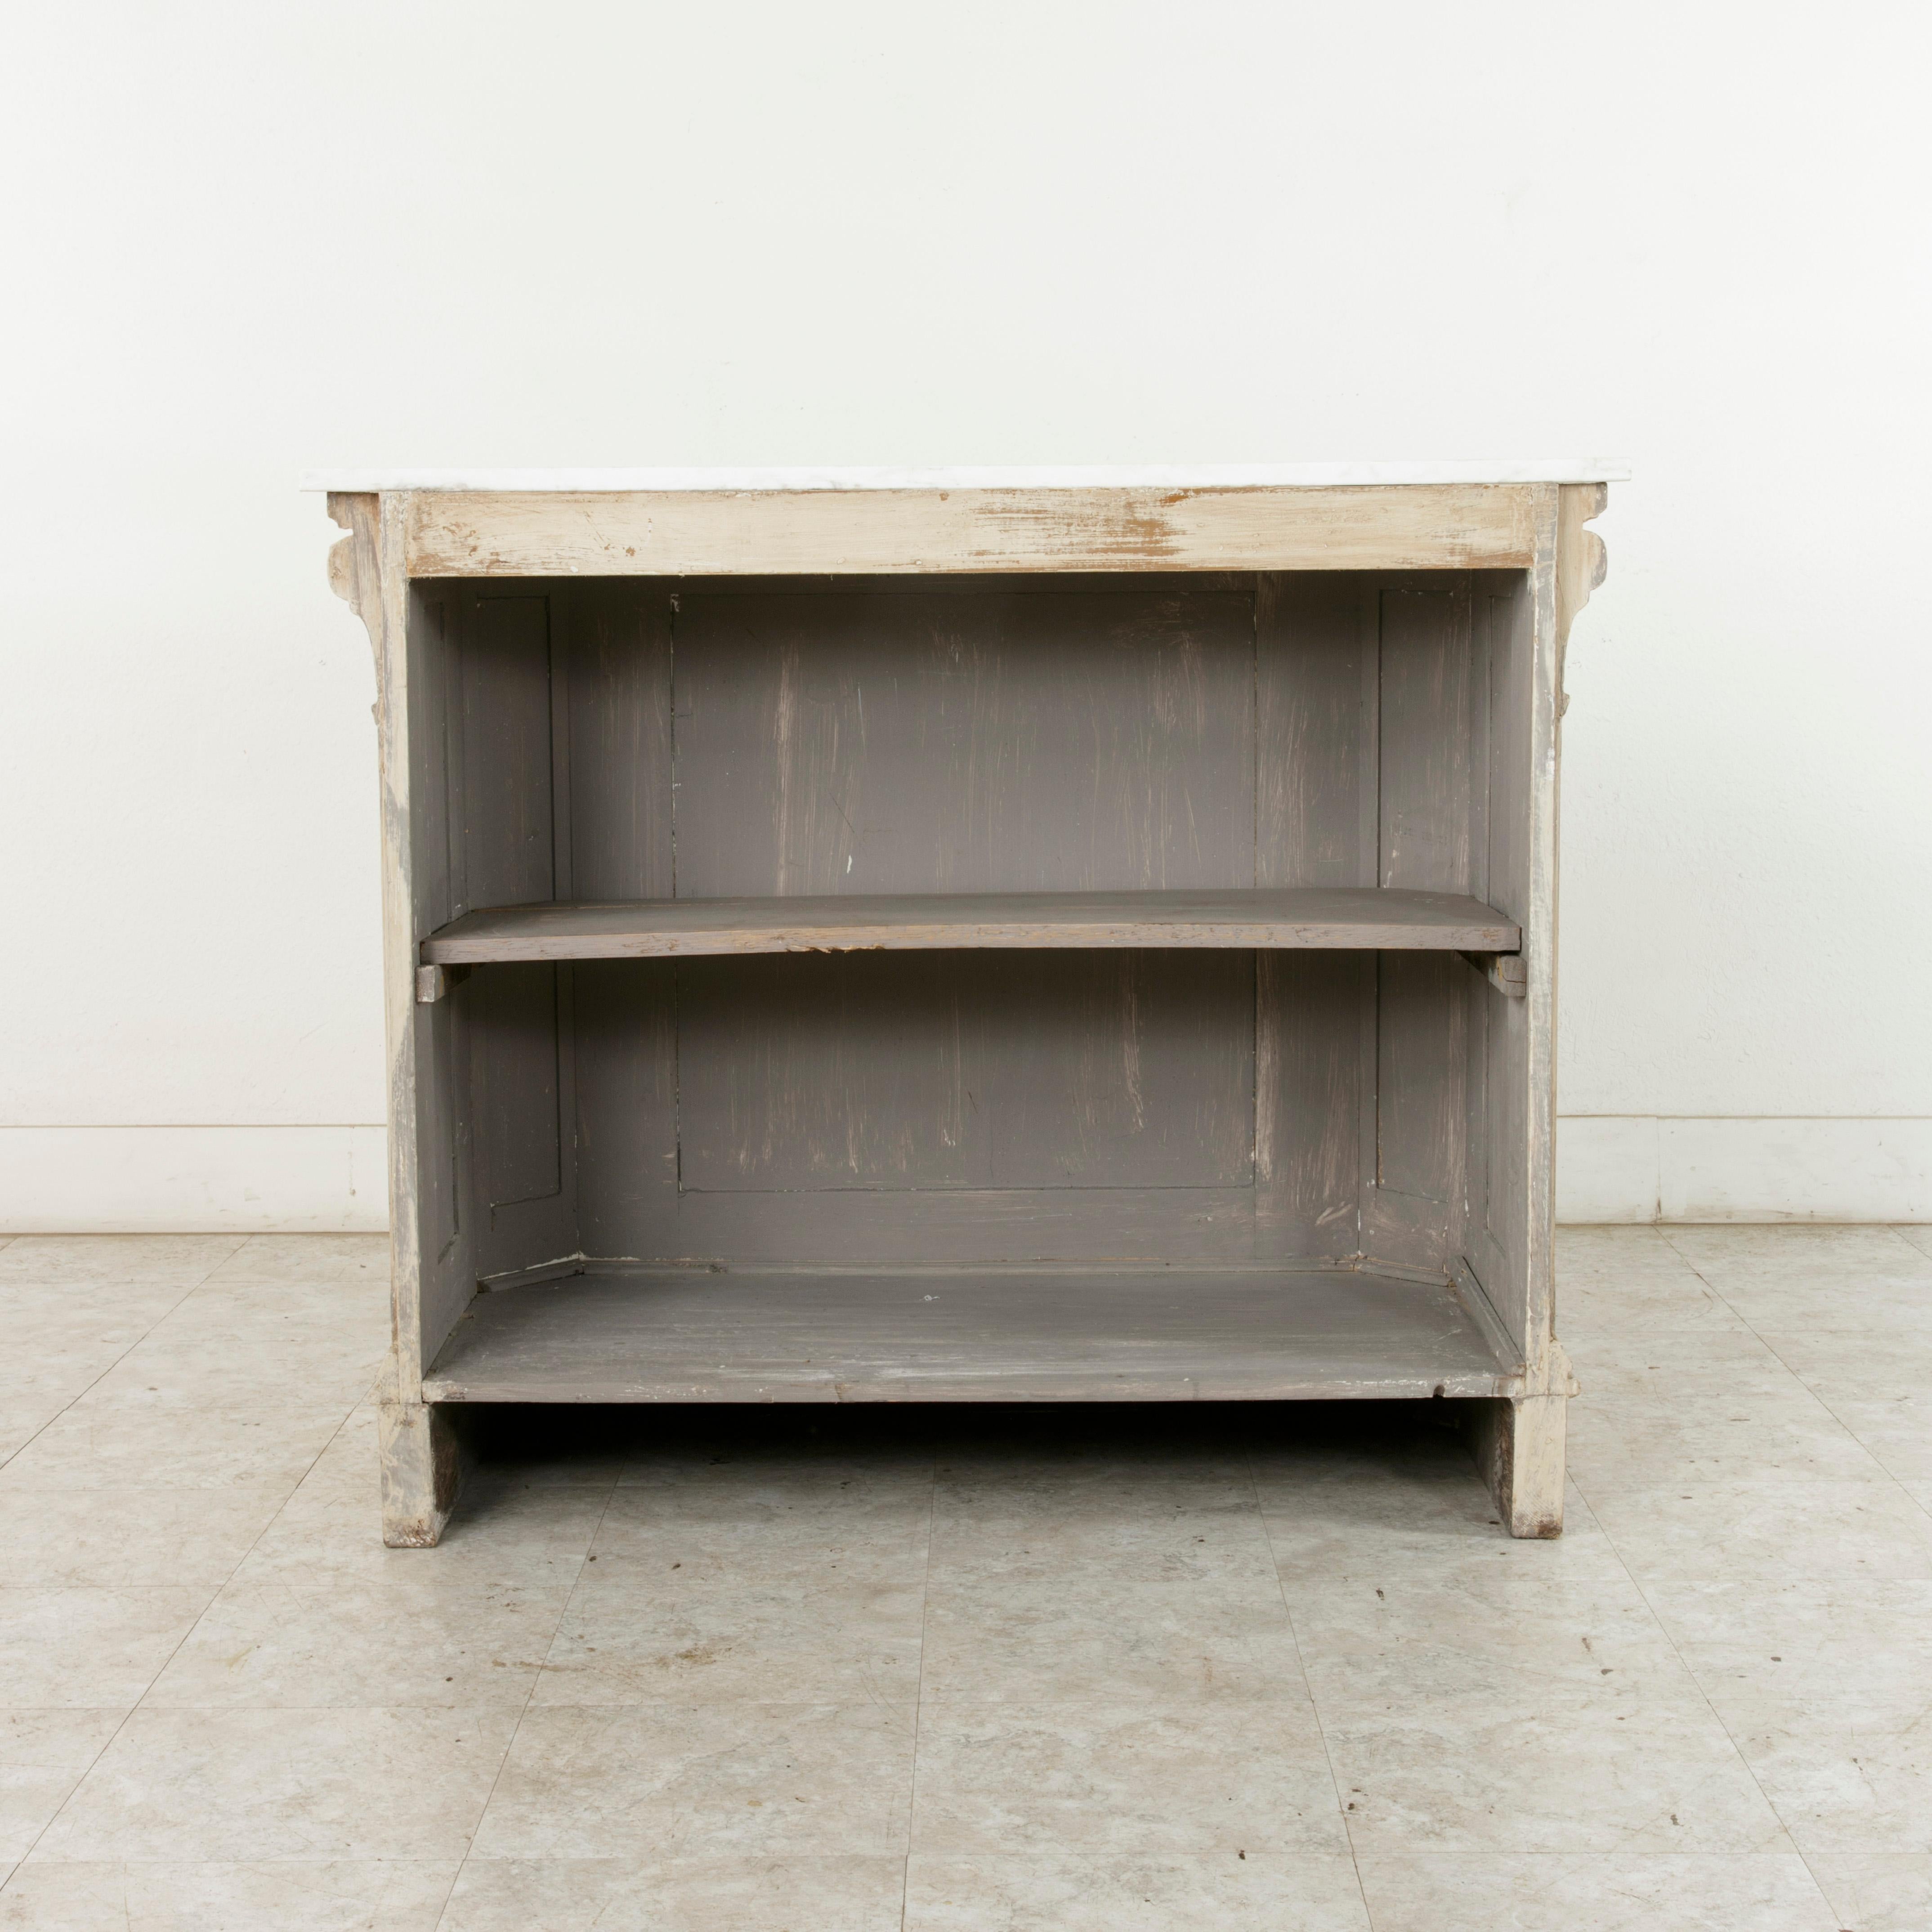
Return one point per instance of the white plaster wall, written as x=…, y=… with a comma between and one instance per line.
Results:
x=241, y=240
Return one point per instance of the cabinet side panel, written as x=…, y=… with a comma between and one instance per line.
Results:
x=513, y=834
x=1315, y=764
x=1412, y=1213
x=445, y=1228
x=1499, y=1247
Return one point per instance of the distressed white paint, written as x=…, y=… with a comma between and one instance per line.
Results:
x=1142, y=476
x=260, y=239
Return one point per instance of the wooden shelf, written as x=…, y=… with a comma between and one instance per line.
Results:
x=1301, y=917
x=687, y=1335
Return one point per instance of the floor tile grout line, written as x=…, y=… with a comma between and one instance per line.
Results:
x=918, y=1692
x=173, y=1309
x=1307, y=1685
x=1689, y=1671
x=1752, y=1329
x=1766, y=1341
x=214, y=1267
x=214, y=1597
x=1697, y=1682
x=529, y=1697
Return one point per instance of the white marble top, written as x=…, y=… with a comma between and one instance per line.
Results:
x=1152, y=476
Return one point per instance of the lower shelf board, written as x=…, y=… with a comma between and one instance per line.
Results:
x=691, y=1335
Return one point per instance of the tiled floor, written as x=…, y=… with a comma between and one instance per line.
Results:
x=1016, y=1670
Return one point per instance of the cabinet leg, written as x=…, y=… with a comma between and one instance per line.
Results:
x=423, y=1464
x=1518, y=1445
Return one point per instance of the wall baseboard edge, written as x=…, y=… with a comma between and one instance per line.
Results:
x=1637, y=1167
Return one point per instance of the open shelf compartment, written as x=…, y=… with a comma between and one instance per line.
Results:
x=696, y=1335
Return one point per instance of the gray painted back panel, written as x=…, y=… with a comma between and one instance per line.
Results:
x=641, y=739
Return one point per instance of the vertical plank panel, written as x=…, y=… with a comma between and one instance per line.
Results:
x=445, y=1261
x=517, y=1017
x=1424, y=784
x=965, y=1070
x=509, y=821
x=1315, y=763
x=1500, y=1128
x=620, y=740
x=982, y=740
x=624, y=1015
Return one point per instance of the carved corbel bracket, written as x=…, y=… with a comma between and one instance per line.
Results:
x=355, y=569
x=1582, y=563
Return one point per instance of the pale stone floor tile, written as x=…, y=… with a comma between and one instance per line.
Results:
x=56, y=1352
x=229, y=1360
x=1143, y=1521
x=1842, y=1784
x=80, y=1646
x=1766, y=1530
x=1364, y=1518
x=109, y=1261
x=120, y=1537
x=1095, y=1584
x=1166, y=1483
x=43, y=1755
x=270, y=1645
x=72, y=1331
x=1629, y=1283
x=507, y=1527
x=1881, y=1392
x=1166, y=1643
x=1075, y=1892
x=1877, y=1891
x=1737, y=1439
x=819, y=1502
x=253, y=1786
x=212, y=1355
x=1041, y=1612
x=1815, y=1279
x=665, y=1780
x=1577, y=1769
x=304, y=1259
x=1653, y=1371
x=388, y=1895
x=1602, y=1891
x=1473, y=1626
x=1919, y=1235
x=1133, y=1776
x=168, y=1440
x=218, y=1320
x=1862, y=1642
x=798, y=1893
x=1624, y=1247
x=748, y=1625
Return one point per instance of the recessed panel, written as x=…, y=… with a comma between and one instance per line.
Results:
x=1131, y=1069
x=975, y=741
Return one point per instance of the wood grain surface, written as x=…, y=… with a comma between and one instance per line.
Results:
x=1325, y=917
x=695, y=1335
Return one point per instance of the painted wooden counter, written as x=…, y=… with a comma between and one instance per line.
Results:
x=971, y=935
